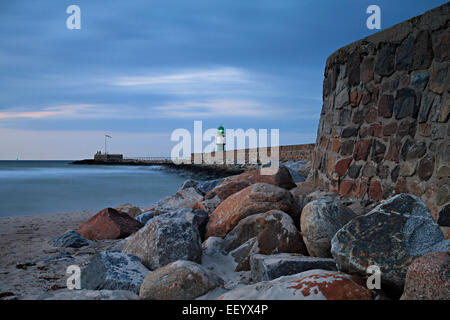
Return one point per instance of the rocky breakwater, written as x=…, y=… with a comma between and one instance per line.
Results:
x=263, y=237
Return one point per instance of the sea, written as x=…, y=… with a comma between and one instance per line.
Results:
x=35, y=187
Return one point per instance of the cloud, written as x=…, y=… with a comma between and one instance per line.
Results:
x=218, y=75
x=214, y=108
x=56, y=111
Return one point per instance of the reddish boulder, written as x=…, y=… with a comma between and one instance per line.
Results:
x=257, y=198
x=428, y=278
x=109, y=224
x=214, y=197
x=309, y=285
x=274, y=232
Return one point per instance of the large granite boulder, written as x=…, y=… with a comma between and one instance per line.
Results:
x=309, y=285
x=257, y=198
x=165, y=240
x=319, y=222
x=198, y=218
x=180, y=280
x=69, y=239
x=113, y=270
x=109, y=224
x=390, y=237
x=428, y=278
x=266, y=233
x=184, y=198
x=269, y=267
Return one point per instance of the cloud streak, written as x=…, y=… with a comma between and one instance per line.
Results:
x=56, y=111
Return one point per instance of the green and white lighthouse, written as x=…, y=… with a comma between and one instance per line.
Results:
x=220, y=138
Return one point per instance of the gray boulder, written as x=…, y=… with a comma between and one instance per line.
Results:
x=202, y=187
x=319, y=222
x=198, y=218
x=206, y=186
x=269, y=267
x=164, y=240
x=113, y=270
x=69, y=239
x=146, y=216
x=184, y=198
x=390, y=237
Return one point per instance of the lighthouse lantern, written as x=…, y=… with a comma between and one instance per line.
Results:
x=220, y=138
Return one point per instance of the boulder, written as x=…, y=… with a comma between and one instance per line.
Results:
x=145, y=216
x=213, y=245
x=206, y=186
x=390, y=237
x=257, y=198
x=109, y=224
x=129, y=209
x=301, y=193
x=202, y=187
x=69, y=239
x=282, y=178
x=265, y=233
x=269, y=267
x=215, y=196
x=428, y=278
x=165, y=240
x=198, y=218
x=295, y=168
x=184, y=198
x=188, y=184
x=309, y=285
x=113, y=270
x=179, y=280
x=319, y=222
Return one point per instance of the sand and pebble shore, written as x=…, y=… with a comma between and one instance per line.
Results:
x=29, y=266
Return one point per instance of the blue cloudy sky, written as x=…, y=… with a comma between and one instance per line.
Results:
x=140, y=69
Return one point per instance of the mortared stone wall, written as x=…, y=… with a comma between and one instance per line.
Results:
x=384, y=125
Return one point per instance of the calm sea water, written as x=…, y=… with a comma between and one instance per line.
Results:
x=30, y=187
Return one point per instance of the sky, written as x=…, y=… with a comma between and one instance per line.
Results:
x=137, y=70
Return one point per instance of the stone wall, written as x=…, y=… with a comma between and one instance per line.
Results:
x=384, y=125
x=286, y=153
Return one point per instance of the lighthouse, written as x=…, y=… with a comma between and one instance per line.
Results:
x=220, y=138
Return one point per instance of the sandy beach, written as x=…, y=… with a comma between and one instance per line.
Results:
x=29, y=266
